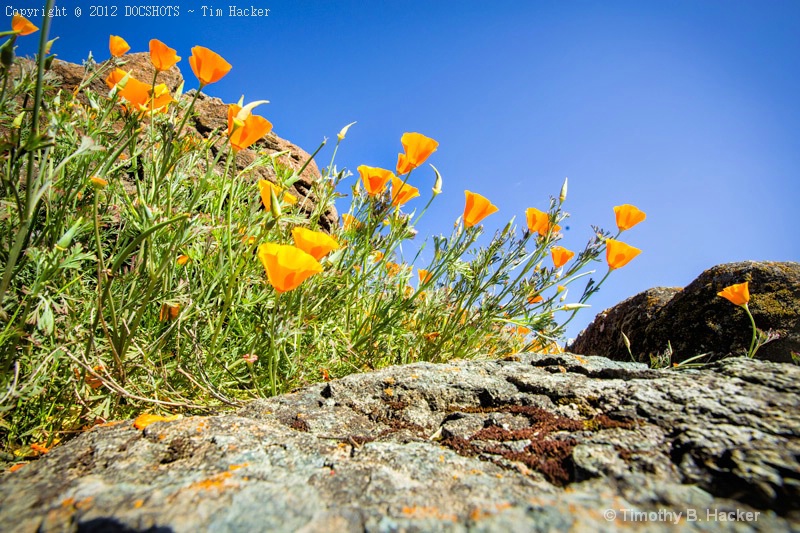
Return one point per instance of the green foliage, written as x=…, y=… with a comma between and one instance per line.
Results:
x=131, y=282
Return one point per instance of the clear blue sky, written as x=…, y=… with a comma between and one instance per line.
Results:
x=688, y=109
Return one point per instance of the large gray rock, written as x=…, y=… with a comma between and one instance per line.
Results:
x=532, y=443
x=694, y=320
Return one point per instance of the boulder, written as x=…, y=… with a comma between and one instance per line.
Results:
x=530, y=443
x=631, y=317
x=695, y=321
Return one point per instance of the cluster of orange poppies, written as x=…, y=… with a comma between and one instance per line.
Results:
x=244, y=128
x=288, y=266
x=417, y=149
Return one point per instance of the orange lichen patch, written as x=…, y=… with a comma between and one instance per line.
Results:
x=389, y=381
x=144, y=420
x=214, y=482
x=84, y=503
x=14, y=468
x=388, y=391
x=581, y=360
x=69, y=502
x=237, y=467
x=138, y=504
x=417, y=511
x=478, y=514
x=202, y=426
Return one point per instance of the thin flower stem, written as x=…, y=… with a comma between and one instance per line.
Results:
x=753, y=347
x=273, y=346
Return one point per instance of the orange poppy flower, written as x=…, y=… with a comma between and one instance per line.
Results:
x=619, y=254
x=738, y=294
x=535, y=299
x=417, y=149
x=628, y=216
x=22, y=26
x=98, y=182
x=402, y=193
x=287, y=266
x=40, y=448
x=477, y=208
x=393, y=268
x=118, y=46
x=208, y=66
x=374, y=178
x=182, y=259
x=539, y=221
x=264, y=187
x=162, y=56
x=249, y=129
x=93, y=381
x=114, y=77
x=560, y=255
x=315, y=243
x=136, y=93
x=144, y=420
x=424, y=275
x=160, y=98
x=403, y=165
x=377, y=255
x=350, y=222
x=169, y=312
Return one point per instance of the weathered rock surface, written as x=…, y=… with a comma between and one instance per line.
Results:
x=532, y=443
x=212, y=114
x=696, y=321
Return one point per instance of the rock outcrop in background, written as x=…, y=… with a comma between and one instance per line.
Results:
x=696, y=321
x=211, y=115
x=531, y=443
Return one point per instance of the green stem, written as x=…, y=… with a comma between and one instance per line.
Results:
x=753, y=347
x=273, y=348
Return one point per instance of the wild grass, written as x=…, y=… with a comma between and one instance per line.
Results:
x=137, y=273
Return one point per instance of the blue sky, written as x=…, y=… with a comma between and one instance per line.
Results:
x=689, y=110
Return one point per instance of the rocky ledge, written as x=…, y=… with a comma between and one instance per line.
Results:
x=531, y=443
